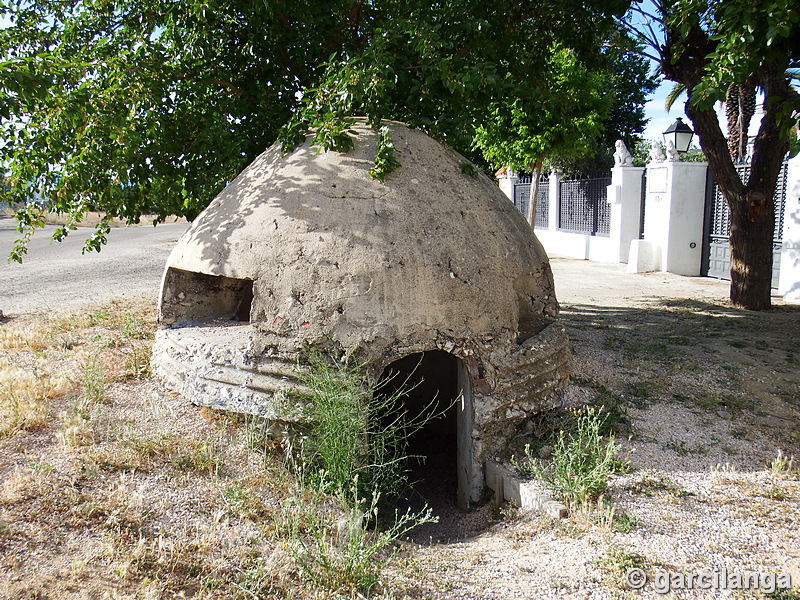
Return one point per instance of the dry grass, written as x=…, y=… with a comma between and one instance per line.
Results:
x=25, y=393
x=47, y=359
x=111, y=486
x=115, y=489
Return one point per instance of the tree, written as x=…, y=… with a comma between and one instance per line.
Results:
x=150, y=107
x=629, y=83
x=560, y=117
x=574, y=114
x=712, y=49
x=740, y=106
x=520, y=84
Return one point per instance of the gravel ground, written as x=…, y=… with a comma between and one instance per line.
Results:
x=711, y=394
x=711, y=398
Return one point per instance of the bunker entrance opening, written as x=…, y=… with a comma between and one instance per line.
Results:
x=436, y=382
x=189, y=296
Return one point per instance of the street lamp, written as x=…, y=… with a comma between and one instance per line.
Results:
x=680, y=134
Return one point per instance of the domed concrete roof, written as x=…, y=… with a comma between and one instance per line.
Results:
x=332, y=252
x=307, y=251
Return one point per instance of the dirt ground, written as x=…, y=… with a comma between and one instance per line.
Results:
x=112, y=487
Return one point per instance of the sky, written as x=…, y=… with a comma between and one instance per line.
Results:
x=660, y=119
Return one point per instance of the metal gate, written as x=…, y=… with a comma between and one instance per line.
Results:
x=522, y=198
x=716, y=257
x=583, y=206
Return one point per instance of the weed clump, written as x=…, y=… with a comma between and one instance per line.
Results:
x=358, y=435
x=351, y=462
x=582, y=462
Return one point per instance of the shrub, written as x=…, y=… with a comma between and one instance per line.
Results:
x=353, y=457
x=356, y=433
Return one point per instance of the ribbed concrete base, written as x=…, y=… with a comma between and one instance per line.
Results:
x=213, y=366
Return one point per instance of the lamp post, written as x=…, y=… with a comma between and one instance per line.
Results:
x=680, y=134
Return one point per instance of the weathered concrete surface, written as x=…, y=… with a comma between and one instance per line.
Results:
x=524, y=494
x=332, y=251
x=317, y=254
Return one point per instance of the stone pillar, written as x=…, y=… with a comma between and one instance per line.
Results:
x=789, y=282
x=673, y=216
x=505, y=179
x=553, y=199
x=625, y=203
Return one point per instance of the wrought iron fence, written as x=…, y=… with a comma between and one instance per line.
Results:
x=716, y=258
x=720, y=217
x=522, y=196
x=583, y=206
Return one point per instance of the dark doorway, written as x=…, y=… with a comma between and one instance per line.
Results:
x=442, y=465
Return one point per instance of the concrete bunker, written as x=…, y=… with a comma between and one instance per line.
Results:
x=307, y=251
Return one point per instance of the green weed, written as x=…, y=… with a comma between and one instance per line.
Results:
x=613, y=404
x=775, y=492
x=618, y=561
x=742, y=432
x=356, y=433
x=583, y=460
x=137, y=361
x=605, y=515
x=338, y=543
x=98, y=317
x=133, y=329
x=352, y=457
x=198, y=455
x=648, y=485
x=93, y=380
x=682, y=449
x=624, y=522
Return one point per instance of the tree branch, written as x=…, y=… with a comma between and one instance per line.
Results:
x=235, y=89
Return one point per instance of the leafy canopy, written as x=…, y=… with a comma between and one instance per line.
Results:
x=149, y=107
x=563, y=114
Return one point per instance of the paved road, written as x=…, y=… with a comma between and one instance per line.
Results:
x=55, y=276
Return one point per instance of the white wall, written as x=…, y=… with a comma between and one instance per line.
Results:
x=624, y=197
x=577, y=245
x=673, y=223
x=674, y=211
x=789, y=283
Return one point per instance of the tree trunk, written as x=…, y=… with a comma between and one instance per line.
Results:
x=740, y=106
x=536, y=173
x=751, y=238
x=747, y=108
x=732, y=114
x=751, y=205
